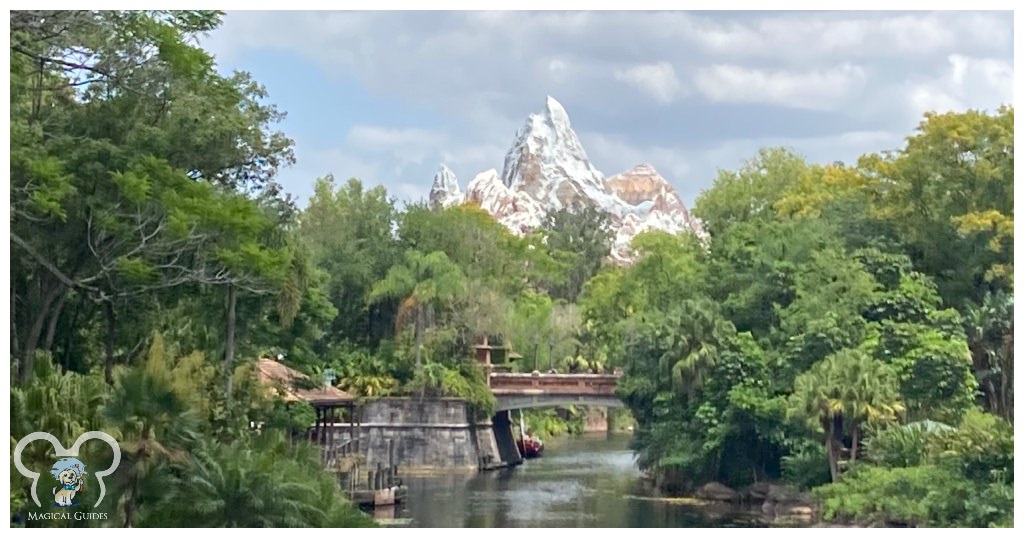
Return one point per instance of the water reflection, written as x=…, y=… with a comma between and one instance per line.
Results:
x=580, y=482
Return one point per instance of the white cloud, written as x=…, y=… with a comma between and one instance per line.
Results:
x=621, y=76
x=405, y=145
x=823, y=90
x=818, y=35
x=982, y=83
x=658, y=80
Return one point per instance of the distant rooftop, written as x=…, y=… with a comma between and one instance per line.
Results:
x=285, y=379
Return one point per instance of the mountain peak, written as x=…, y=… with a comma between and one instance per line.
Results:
x=555, y=112
x=548, y=163
x=643, y=168
x=444, y=191
x=547, y=169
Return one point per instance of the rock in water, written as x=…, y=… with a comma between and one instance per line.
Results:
x=716, y=491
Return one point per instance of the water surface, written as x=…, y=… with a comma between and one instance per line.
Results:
x=589, y=481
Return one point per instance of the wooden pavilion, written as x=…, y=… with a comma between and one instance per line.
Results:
x=331, y=404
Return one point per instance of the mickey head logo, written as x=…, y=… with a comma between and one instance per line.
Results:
x=61, y=452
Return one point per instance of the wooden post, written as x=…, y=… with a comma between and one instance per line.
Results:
x=330, y=434
x=321, y=423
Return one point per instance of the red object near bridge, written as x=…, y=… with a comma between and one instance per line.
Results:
x=530, y=447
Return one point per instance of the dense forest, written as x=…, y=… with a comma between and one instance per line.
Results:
x=846, y=329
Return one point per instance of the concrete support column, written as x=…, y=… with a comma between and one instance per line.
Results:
x=507, y=449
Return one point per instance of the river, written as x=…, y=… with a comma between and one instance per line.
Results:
x=588, y=481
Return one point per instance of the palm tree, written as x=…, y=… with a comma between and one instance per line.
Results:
x=257, y=482
x=236, y=486
x=843, y=392
x=423, y=284
x=65, y=404
x=871, y=396
x=157, y=427
x=698, y=335
x=989, y=329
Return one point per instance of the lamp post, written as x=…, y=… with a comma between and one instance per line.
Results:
x=536, y=351
x=551, y=356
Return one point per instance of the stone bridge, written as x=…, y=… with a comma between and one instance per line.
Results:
x=522, y=391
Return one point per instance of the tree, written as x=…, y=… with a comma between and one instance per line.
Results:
x=989, y=329
x=749, y=194
x=155, y=427
x=423, y=284
x=842, y=393
x=580, y=237
x=949, y=193
x=348, y=230
x=126, y=138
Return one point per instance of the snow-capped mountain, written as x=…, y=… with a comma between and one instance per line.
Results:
x=652, y=204
x=444, y=192
x=548, y=163
x=547, y=169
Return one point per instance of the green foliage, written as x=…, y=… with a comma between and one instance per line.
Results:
x=806, y=466
x=295, y=418
x=750, y=193
x=935, y=377
x=989, y=329
x=906, y=445
x=176, y=469
x=258, y=482
x=547, y=423
x=348, y=230
x=580, y=238
x=466, y=381
x=906, y=496
x=949, y=195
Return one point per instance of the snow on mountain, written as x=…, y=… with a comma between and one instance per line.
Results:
x=654, y=203
x=516, y=210
x=547, y=169
x=548, y=163
x=444, y=192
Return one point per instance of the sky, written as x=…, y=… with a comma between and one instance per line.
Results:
x=389, y=96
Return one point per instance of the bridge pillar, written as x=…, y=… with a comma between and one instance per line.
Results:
x=507, y=449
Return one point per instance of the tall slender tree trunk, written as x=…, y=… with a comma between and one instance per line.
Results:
x=69, y=333
x=229, y=339
x=993, y=396
x=830, y=449
x=14, y=322
x=419, y=337
x=35, y=331
x=108, y=365
x=855, y=434
x=1006, y=378
x=129, y=509
x=51, y=329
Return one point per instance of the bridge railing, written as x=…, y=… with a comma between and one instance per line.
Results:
x=602, y=384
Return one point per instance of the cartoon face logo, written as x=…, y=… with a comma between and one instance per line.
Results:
x=68, y=471
x=70, y=475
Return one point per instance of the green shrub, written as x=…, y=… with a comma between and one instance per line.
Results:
x=467, y=382
x=921, y=496
x=806, y=467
